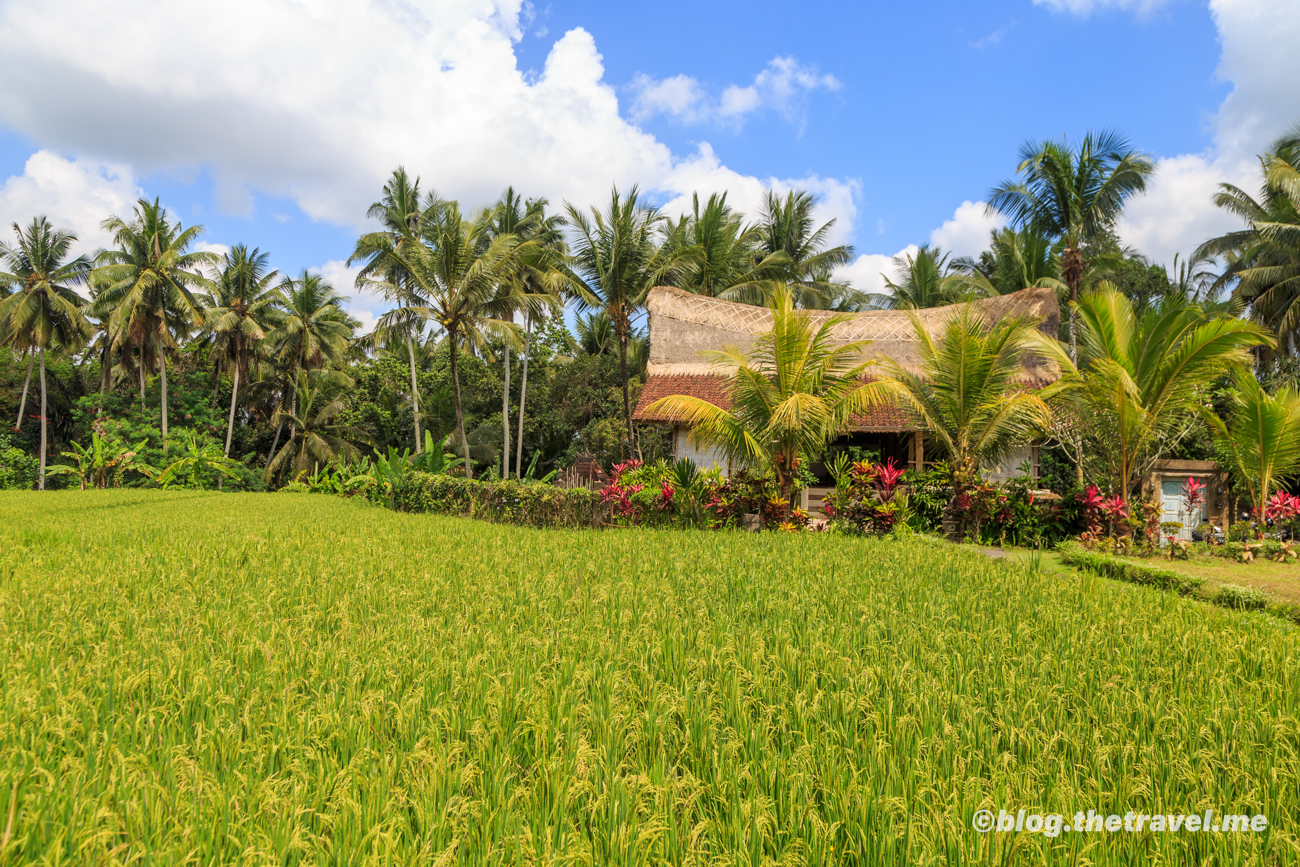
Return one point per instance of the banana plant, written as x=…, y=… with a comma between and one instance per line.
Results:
x=435, y=458
x=198, y=461
x=105, y=460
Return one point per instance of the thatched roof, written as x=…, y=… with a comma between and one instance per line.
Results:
x=683, y=324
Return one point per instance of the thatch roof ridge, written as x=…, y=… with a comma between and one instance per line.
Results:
x=683, y=323
x=674, y=303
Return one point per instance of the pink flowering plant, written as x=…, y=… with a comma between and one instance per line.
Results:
x=868, y=498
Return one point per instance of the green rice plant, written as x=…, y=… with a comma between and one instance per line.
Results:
x=1244, y=598
x=196, y=678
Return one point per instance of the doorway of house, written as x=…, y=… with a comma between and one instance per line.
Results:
x=1174, y=508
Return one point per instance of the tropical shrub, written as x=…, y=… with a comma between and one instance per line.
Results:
x=504, y=502
x=105, y=462
x=18, y=470
x=1249, y=551
x=868, y=498
x=729, y=502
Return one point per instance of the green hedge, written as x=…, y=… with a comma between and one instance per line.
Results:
x=1227, y=595
x=1126, y=570
x=509, y=502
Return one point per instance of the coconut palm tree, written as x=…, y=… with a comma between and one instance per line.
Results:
x=787, y=226
x=790, y=395
x=724, y=257
x=147, y=286
x=534, y=284
x=459, y=269
x=1261, y=437
x=312, y=328
x=1264, y=257
x=927, y=278
x=620, y=259
x=1073, y=196
x=312, y=331
x=243, y=310
x=966, y=393
x=398, y=211
x=317, y=435
x=43, y=311
x=1016, y=259
x=1141, y=379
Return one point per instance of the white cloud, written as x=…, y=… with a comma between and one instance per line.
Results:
x=678, y=96
x=867, y=272
x=1258, y=57
x=363, y=306
x=705, y=174
x=1177, y=212
x=319, y=102
x=1087, y=7
x=210, y=247
x=967, y=233
x=782, y=86
x=75, y=194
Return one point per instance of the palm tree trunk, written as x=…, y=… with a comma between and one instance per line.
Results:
x=279, y=429
x=22, y=404
x=627, y=400
x=505, y=420
x=230, y=424
x=162, y=362
x=460, y=418
x=415, y=394
x=523, y=390
x=141, y=366
x=41, y=478
x=293, y=411
x=105, y=372
x=1072, y=271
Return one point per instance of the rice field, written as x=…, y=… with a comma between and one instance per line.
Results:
x=191, y=678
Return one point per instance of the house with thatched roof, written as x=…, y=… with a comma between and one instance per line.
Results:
x=683, y=324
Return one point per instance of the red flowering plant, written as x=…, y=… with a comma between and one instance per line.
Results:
x=727, y=501
x=1091, y=502
x=868, y=498
x=1115, y=510
x=638, y=494
x=1283, y=510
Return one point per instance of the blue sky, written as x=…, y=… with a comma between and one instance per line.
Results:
x=274, y=122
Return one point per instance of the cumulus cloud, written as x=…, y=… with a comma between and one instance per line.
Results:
x=782, y=86
x=364, y=307
x=967, y=232
x=867, y=272
x=320, y=101
x=1177, y=212
x=75, y=194
x=210, y=247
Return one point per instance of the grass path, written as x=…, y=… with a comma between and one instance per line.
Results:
x=207, y=679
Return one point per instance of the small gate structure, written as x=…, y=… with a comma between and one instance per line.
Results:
x=1166, y=484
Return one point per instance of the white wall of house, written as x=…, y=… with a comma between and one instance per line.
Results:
x=1009, y=467
x=704, y=457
